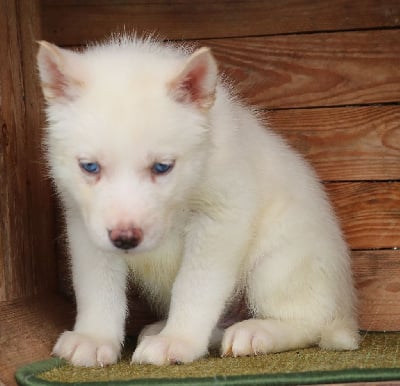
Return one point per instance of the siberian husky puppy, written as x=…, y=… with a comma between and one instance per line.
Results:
x=164, y=174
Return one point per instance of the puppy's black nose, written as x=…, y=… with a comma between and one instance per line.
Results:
x=125, y=238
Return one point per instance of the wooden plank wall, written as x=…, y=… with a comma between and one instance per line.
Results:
x=27, y=254
x=325, y=74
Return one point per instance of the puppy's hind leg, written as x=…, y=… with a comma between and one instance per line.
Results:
x=299, y=300
x=260, y=336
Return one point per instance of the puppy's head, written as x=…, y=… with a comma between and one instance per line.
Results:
x=127, y=135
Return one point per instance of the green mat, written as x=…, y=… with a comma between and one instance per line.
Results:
x=378, y=359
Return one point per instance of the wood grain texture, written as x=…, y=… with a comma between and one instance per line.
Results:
x=377, y=277
x=351, y=143
x=28, y=330
x=322, y=69
x=27, y=261
x=13, y=171
x=315, y=70
x=369, y=212
x=72, y=22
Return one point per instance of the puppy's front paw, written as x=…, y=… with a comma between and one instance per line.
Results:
x=83, y=350
x=164, y=349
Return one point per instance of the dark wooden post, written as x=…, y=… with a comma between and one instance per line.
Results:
x=27, y=252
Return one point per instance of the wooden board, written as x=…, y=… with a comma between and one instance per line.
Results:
x=13, y=200
x=369, y=212
x=323, y=69
x=377, y=277
x=27, y=258
x=313, y=70
x=28, y=330
x=71, y=22
x=343, y=144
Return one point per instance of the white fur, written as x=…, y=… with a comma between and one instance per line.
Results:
x=239, y=212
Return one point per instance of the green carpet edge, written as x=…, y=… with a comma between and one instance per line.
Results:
x=28, y=376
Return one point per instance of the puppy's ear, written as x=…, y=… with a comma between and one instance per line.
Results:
x=59, y=72
x=196, y=82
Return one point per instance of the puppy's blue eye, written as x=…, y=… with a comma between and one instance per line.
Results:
x=161, y=168
x=90, y=167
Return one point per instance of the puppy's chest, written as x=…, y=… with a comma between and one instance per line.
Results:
x=155, y=271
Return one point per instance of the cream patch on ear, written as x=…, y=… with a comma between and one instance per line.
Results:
x=196, y=82
x=58, y=70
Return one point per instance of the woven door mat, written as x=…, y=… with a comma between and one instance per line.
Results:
x=378, y=359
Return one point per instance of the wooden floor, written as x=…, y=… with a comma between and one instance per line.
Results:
x=326, y=75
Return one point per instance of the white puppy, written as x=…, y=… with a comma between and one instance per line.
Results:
x=161, y=171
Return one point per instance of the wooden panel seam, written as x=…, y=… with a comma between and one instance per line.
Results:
x=70, y=22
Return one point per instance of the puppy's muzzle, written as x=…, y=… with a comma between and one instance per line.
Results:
x=125, y=238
